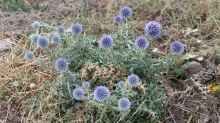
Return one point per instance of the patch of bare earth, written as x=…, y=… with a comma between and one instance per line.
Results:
x=9, y=114
x=188, y=99
x=56, y=11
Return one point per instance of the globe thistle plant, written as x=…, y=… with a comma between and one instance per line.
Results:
x=42, y=42
x=177, y=48
x=126, y=12
x=86, y=84
x=153, y=29
x=121, y=84
x=77, y=28
x=124, y=104
x=61, y=65
x=60, y=29
x=101, y=93
x=78, y=93
x=134, y=80
x=34, y=38
x=28, y=55
x=141, y=42
x=36, y=25
x=118, y=19
x=106, y=41
x=55, y=38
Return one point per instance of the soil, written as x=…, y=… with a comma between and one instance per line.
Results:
x=56, y=12
x=9, y=114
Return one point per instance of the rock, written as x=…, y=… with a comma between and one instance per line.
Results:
x=193, y=57
x=200, y=58
x=192, y=67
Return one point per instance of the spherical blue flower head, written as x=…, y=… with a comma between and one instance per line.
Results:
x=126, y=11
x=34, y=38
x=86, y=84
x=141, y=42
x=124, y=104
x=77, y=28
x=60, y=29
x=35, y=25
x=106, y=41
x=55, y=38
x=28, y=55
x=121, y=84
x=153, y=29
x=101, y=93
x=42, y=42
x=119, y=19
x=133, y=80
x=78, y=93
x=177, y=48
x=61, y=65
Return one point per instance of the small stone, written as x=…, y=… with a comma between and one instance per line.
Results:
x=199, y=41
x=155, y=50
x=192, y=67
x=32, y=85
x=200, y=58
x=15, y=83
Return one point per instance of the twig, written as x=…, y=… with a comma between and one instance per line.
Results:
x=188, y=110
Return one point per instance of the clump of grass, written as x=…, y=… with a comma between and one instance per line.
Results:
x=14, y=5
x=21, y=5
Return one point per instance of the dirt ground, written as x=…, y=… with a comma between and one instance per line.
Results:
x=56, y=12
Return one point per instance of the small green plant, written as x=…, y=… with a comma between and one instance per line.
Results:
x=20, y=5
x=14, y=5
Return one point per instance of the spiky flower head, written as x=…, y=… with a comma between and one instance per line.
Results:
x=86, y=84
x=36, y=25
x=177, y=48
x=77, y=28
x=126, y=11
x=78, y=93
x=61, y=65
x=101, y=93
x=106, y=41
x=55, y=38
x=124, y=104
x=28, y=55
x=60, y=29
x=134, y=80
x=42, y=42
x=118, y=19
x=153, y=29
x=121, y=84
x=34, y=38
x=141, y=42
